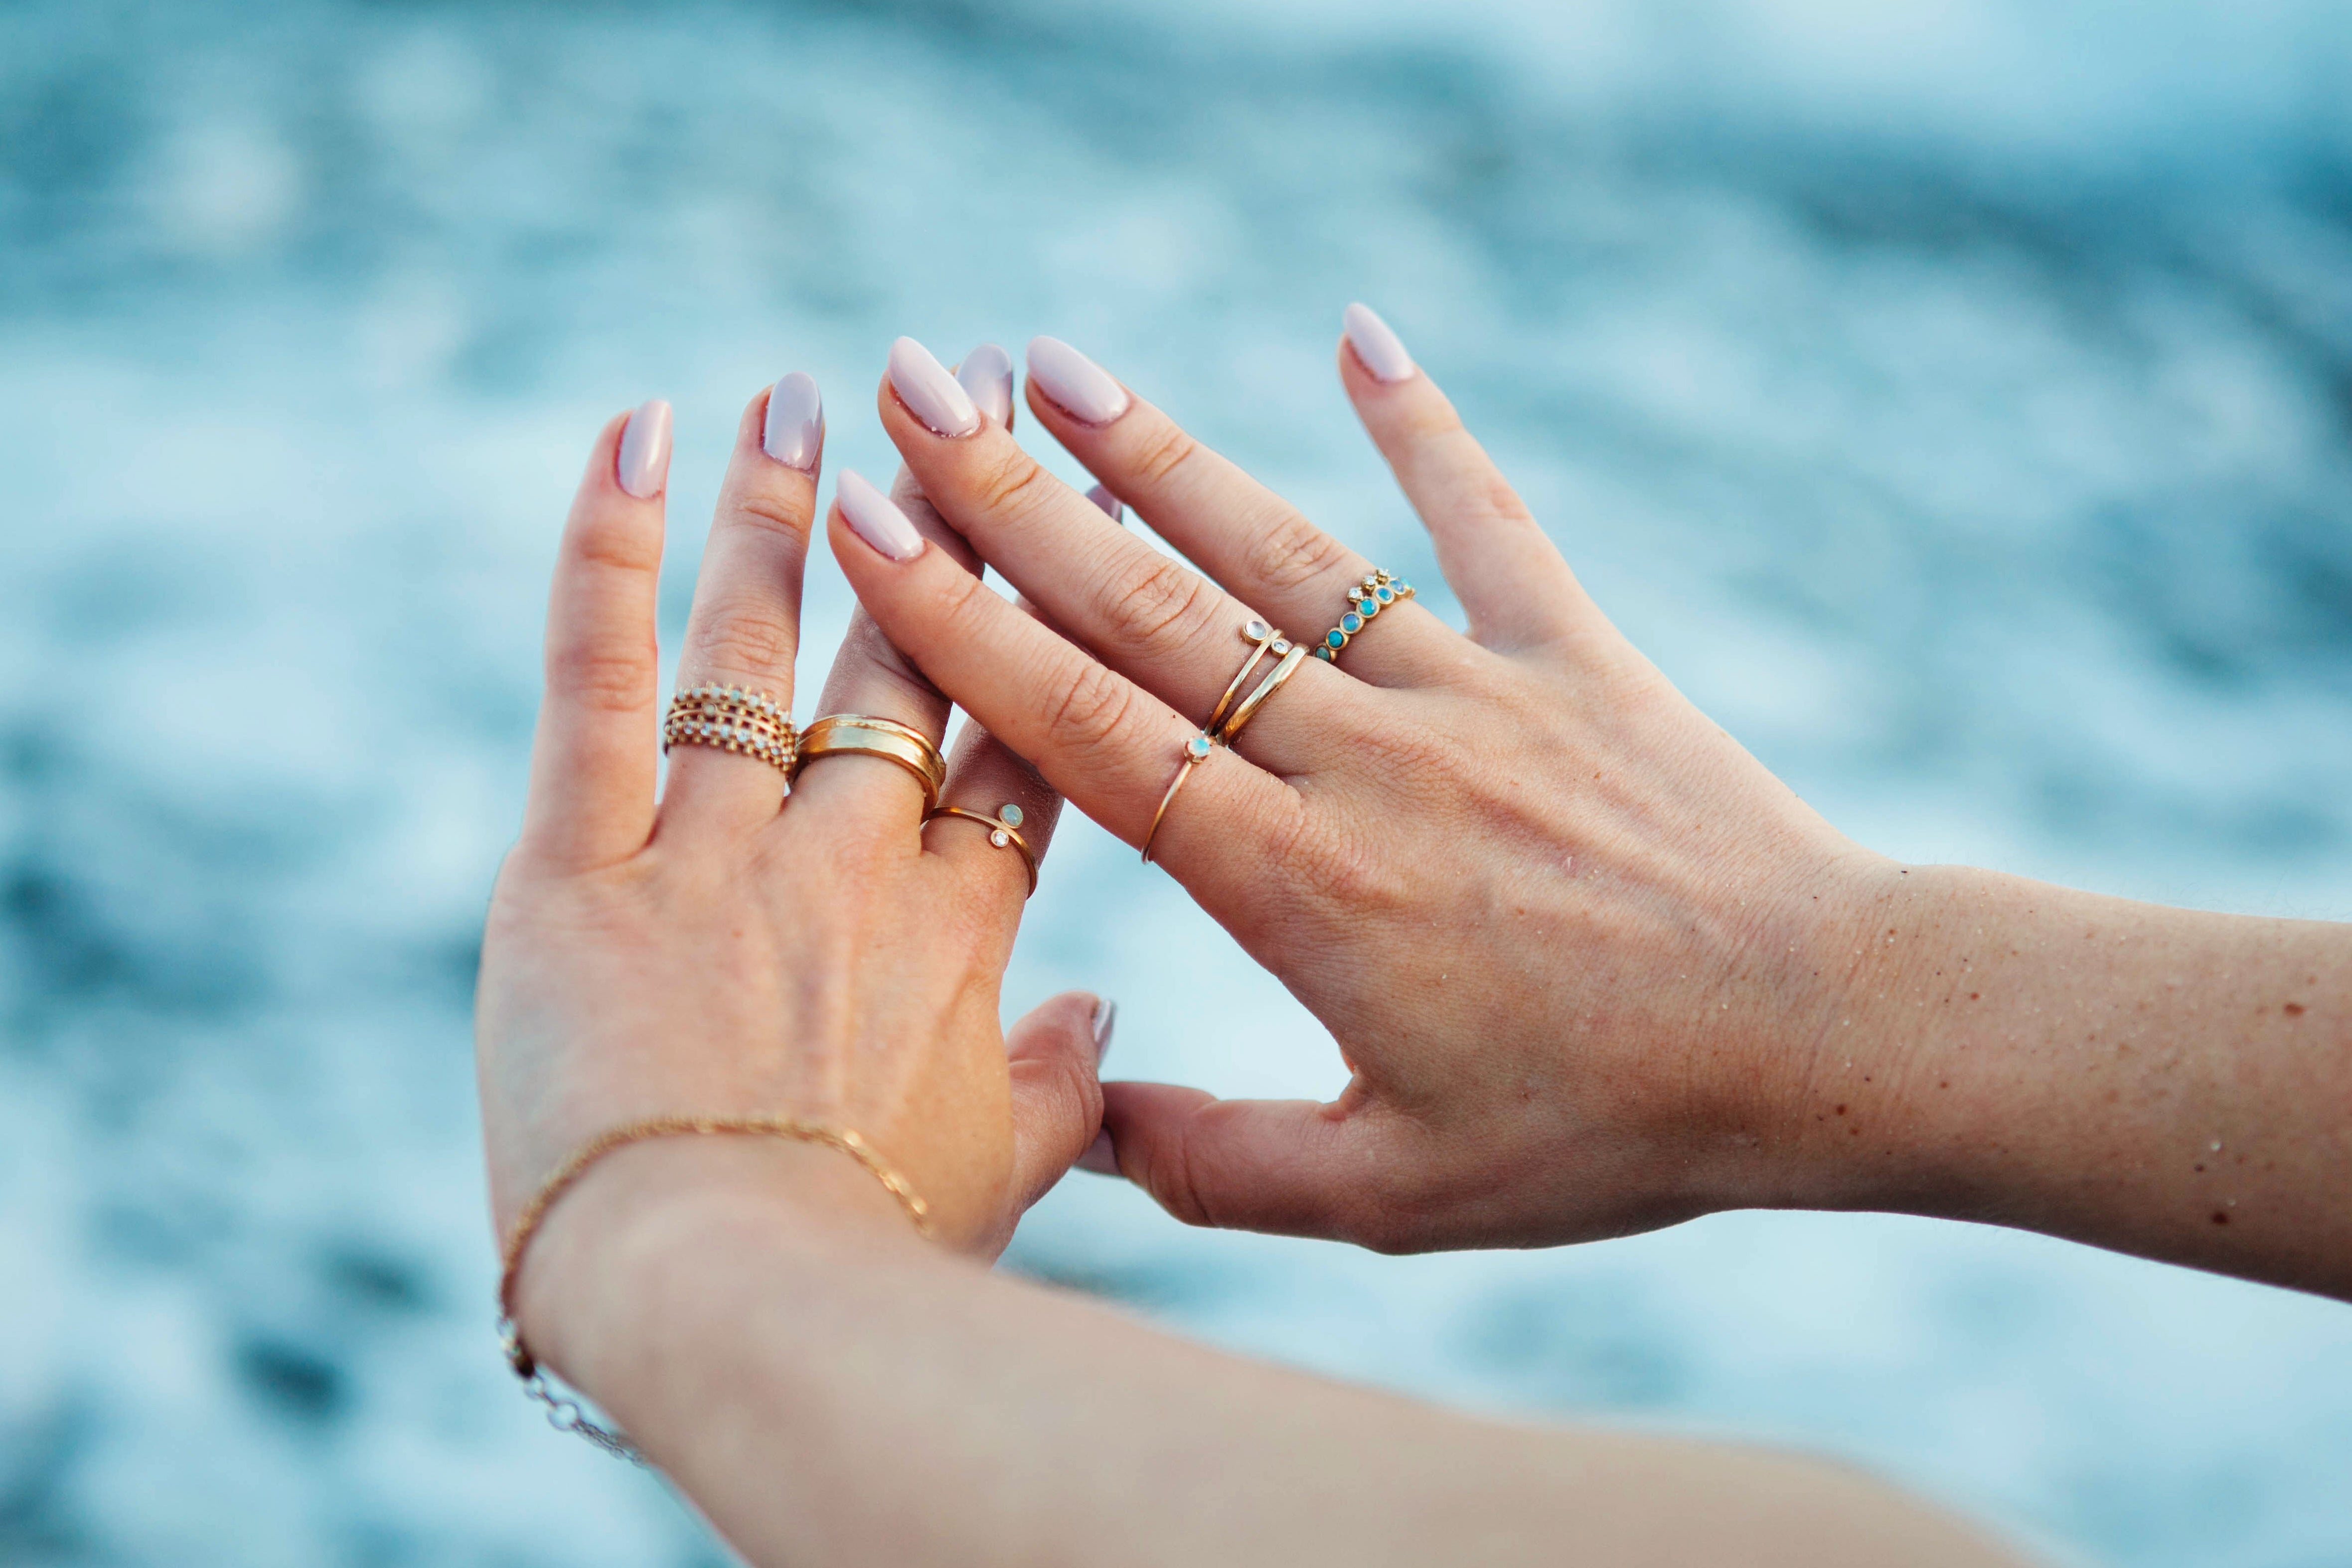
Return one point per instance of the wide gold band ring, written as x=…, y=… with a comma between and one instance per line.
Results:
x=1268, y=640
x=1003, y=831
x=731, y=719
x=1256, y=700
x=1196, y=752
x=864, y=735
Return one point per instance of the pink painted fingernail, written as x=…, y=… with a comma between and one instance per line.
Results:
x=794, y=435
x=1380, y=349
x=1077, y=383
x=1113, y=507
x=1101, y=1156
x=644, y=460
x=930, y=393
x=875, y=518
x=1105, y=1020
x=986, y=375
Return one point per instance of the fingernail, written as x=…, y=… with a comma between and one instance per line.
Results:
x=1113, y=507
x=930, y=393
x=1105, y=1020
x=875, y=518
x=794, y=435
x=644, y=460
x=1101, y=1156
x=1380, y=349
x=1075, y=383
x=986, y=375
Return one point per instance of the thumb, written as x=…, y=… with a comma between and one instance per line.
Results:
x=1056, y=1100
x=1293, y=1167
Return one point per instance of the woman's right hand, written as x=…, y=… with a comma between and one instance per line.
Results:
x=1582, y=953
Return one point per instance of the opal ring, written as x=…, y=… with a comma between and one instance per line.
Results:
x=1267, y=641
x=1368, y=599
x=1196, y=752
x=1003, y=831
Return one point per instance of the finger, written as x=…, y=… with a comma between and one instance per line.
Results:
x=593, y=759
x=1291, y=1167
x=868, y=675
x=1512, y=580
x=1148, y=616
x=1056, y=1099
x=1242, y=534
x=744, y=627
x=1103, y=743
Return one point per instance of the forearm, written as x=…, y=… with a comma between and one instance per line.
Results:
x=2163, y=1081
x=829, y=1389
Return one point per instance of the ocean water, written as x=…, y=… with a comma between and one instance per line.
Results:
x=1957, y=400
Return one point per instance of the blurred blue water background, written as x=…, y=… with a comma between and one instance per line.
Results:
x=1956, y=399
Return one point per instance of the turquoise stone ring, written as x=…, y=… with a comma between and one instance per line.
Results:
x=1365, y=600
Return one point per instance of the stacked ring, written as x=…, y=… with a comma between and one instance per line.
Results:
x=864, y=735
x=1003, y=831
x=1368, y=599
x=731, y=719
x=1266, y=687
x=1268, y=640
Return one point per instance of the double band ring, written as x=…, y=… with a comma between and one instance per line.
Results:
x=731, y=719
x=864, y=735
x=1368, y=599
x=1267, y=640
x=1003, y=831
x=1266, y=687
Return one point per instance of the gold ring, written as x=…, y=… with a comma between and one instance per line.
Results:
x=1004, y=830
x=1196, y=752
x=1256, y=700
x=731, y=719
x=864, y=735
x=1368, y=599
x=1267, y=640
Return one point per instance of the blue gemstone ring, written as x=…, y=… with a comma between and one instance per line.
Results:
x=1367, y=599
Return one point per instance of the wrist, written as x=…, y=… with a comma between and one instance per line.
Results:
x=593, y=1281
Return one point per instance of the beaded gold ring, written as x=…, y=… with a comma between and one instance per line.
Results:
x=731, y=719
x=1368, y=599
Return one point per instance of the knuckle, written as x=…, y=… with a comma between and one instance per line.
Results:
x=1007, y=485
x=1168, y=450
x=1091, y=705
x=1294, y=553
x=619, y=545
x=605, y=678
x=745, y=639
x=1169, y=603
x=1353, y=873
x=1494, y=500
x=773, y=514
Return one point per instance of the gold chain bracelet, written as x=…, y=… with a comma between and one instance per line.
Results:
x=565, y=1414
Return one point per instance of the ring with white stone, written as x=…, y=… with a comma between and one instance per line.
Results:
x=1268, y=641
x=731, y=719
x=1196, y=752
x=1003, y=831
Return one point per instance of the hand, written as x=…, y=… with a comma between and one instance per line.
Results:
x=710, y=953
x=1581, y=952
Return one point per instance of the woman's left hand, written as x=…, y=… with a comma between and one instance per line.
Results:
x=724, y=951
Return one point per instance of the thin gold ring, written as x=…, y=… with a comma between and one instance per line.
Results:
x=1267, y=640
x=1196, y=752
x=1004, y=830
x=865, y=735
x=1256, y=700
